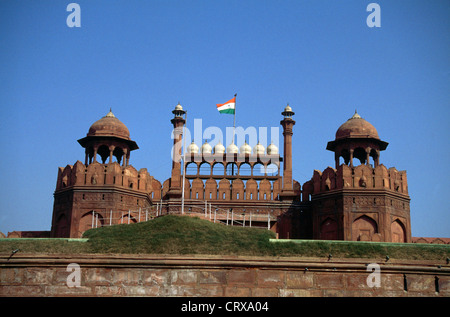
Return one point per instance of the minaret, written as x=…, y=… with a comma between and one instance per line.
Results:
x=175, y=181
x=287, y=192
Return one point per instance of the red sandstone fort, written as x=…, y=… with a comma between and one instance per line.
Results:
x=359, y=199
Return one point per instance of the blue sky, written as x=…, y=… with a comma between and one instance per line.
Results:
x=141, y=58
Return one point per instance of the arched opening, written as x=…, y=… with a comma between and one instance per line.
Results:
x=363, y=229
x=259, y=169
x=118, y=154
x=232, y=169
x=245, y=169
x=103, y=152
x=218, y=169
x=360, y=154
x=398, y=232
x=329, y=229
x=126, y=219
x=375, y=156
x=205, y=169
x=272, y=169
x=191, y=168
x=345, y=154
x=89, y=220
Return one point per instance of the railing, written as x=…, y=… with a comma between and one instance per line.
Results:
x=202, y=210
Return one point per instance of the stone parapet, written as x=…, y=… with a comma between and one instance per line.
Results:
x=217, y=276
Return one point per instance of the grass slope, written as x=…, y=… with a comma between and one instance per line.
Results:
x=177, y=235
x=187, y=235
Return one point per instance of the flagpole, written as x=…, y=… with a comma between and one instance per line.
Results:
x=234, y=119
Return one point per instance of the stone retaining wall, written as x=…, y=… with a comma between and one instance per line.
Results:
x=217, y=276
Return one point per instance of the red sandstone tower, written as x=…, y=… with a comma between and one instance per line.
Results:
x=359, y=202
x=87, y=194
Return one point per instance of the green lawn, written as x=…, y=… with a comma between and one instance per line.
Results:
x=187, y=235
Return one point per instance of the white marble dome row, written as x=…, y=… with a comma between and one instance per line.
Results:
x=232, y=148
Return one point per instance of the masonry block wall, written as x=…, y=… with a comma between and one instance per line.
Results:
x=211, y=276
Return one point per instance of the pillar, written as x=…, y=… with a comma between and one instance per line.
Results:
x=287, y=190
x=368, y=149
x=175, y=180
x=111, y=151
x=351, y=157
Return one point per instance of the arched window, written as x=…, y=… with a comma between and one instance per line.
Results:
x=245, y=169
x=191, y=168
x=218, y=169
x=232, y=169
x=205, y=169
x=258, y=169
x=272, y=169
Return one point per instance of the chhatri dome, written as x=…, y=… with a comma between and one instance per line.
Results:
x=192, y=148
x=246, y=149
x=109, y=126
x=232, y=148
x=219, y=148
x=259, y=149
x=206, y=148
x=356, y=127
x=272, y=149
x=357, y=138
x=108, y=137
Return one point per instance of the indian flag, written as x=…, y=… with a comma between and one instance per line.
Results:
x=227, y=107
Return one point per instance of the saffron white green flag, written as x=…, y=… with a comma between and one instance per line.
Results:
x=227, y=107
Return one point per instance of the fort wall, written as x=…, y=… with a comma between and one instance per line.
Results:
x=217, y=276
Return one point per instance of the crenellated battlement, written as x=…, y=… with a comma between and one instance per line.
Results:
x=358, y=177
x=97, y=174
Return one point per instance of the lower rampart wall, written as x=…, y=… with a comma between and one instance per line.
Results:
x=217, y=276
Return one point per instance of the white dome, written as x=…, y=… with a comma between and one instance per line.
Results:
x=272, y=149
x=246, y=149
x=219, y=148
x=178, y=107
x=206, y=148
x=259, y=149
x=232, y=148
x=192, y=148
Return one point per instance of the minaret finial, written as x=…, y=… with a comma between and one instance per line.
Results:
x=356, y=115
x=110, y=114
